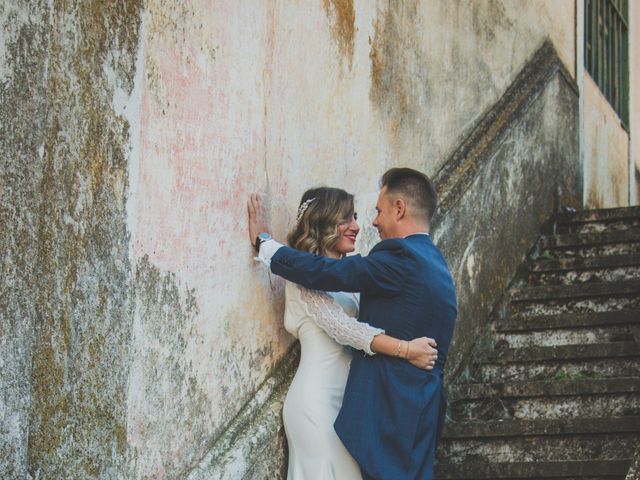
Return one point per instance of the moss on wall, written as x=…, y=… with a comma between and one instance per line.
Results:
x=84, y=317
x=68, y=158
x=165, y=395
x=22, y=125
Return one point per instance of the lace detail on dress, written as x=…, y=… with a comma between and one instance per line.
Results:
x=331, y=318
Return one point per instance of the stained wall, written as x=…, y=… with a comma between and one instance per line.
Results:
x=65, y=326
x=135, y=322
x=278, y=97
x=610, y=148
x=606, y=146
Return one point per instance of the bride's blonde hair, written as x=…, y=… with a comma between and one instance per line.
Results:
x=320, y=212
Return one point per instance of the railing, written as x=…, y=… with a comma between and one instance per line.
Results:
x=606, y=54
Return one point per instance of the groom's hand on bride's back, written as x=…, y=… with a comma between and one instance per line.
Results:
x=422, y=353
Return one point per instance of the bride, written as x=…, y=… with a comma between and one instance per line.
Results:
x=325, y=322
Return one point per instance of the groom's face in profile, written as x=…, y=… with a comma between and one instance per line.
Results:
x=385, y=220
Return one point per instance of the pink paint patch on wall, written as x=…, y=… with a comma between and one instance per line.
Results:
x=202, y=150
x=202, y=140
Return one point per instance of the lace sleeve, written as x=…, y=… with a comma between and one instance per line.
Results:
x=331, y=318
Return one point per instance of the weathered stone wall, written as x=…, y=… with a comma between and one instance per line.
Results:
x=278, y=96
x=66, y=297
x=135, y=325
x=22, y=120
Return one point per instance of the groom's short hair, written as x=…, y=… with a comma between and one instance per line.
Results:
x=415, y=187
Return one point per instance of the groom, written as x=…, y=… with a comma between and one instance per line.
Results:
x=392, y=412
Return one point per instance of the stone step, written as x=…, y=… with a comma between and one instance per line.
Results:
x=583, y=277
x=517, y=440
x=517, y=323
x=590, y=386
x=576, y=305
x=614, y=225
x=578, y=298
x=568, y=336
x=588, y=245
x=541, y=427
x=546, y=265
x=592, y=251
x=535, y=447
x=598, y=215
x=583, y=270
x=569, y=329
x=618, y=359
x=617, y=225
x=562, y=369
x=590, y=290
x=587, y=239
x=566, y=470
x=546, y=399
x=569, y=352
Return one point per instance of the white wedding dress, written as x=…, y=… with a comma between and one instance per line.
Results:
x=321, y=320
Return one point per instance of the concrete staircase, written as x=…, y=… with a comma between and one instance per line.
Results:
x=559, y=395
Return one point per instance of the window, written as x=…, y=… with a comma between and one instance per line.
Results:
x=606, y=50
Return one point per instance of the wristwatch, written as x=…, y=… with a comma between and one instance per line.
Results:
x=261, y=238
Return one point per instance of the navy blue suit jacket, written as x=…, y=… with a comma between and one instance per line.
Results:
x=392, y=412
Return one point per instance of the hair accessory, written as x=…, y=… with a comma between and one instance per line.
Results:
x=303, y=208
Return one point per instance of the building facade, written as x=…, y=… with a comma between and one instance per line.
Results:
x=139, y=339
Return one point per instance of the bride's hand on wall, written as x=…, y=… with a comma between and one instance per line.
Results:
x=257, y=217
x=422, y=353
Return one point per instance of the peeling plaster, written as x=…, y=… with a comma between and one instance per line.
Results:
x=470, y=265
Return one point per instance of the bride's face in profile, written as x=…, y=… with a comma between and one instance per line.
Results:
x=347, y=231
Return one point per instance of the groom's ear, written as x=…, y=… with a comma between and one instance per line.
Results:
x=400, y=208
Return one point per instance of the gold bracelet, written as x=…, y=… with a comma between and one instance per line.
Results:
x=398, y=348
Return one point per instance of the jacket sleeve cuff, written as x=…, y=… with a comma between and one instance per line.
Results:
x=267, y=250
